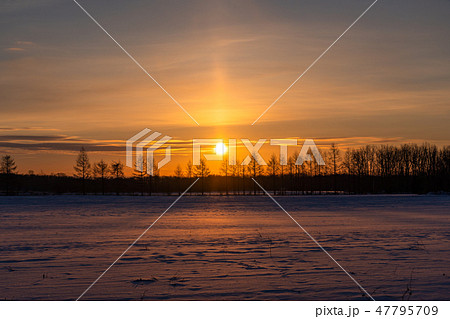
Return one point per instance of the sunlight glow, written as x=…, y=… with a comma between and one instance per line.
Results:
x=220, y=149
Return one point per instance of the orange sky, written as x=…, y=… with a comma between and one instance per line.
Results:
x=65, y=84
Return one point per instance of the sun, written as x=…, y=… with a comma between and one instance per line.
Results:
x=220, y=148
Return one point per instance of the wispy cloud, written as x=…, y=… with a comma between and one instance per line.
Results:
x=14, y=49
x=57, y=143
x=19, y=46
x=31, y=128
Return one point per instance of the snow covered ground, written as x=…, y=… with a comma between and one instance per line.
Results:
x=219, y=248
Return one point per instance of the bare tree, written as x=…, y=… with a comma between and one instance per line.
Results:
x=8, y=165
x=297, y=172
x=179, y=175
x=178, y=171
x=283, y=162
x=101, y=170
x=140, y=172
x=154, y=179
x=117, y=172
x=272, y=169
x=189, y=169
x=8, y=168
x=226, y=170
x=335, y=158
x=117, y=169
x=254, y=169
x=291, y=171
x=83, y=167
x=242, y=168
x=202, y=171
x=235, y=172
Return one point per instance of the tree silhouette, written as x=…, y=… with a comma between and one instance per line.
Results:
x=226, y=170
x=117, y=172
x=140, y=172
x=335, y=158
x=291, y=171
x=283, y=163
x=179, y=175
x=153, y=179
x=189, y=173
x=8, y=168
x=101, y=170
x=407, y=168
x=272, y=169
x=117, y=169
x=82, y=167
x=8, y=165
x=242, y=171
x=189, y=169
x=202, y=171
x=254, y=170
x=235, y=172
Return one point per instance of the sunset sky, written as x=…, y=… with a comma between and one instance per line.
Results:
x=65, y=84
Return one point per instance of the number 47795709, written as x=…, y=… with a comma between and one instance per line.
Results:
x=407, y=310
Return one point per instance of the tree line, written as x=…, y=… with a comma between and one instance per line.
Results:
x=407, y=168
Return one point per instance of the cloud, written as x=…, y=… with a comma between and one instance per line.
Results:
x=60, y=142
x=14, y=49
x=57, y=142
x=18, y=46
x=24, y=43
x=72, y=147
x=31, y=128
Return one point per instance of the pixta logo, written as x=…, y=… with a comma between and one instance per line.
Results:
x=145, y=142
